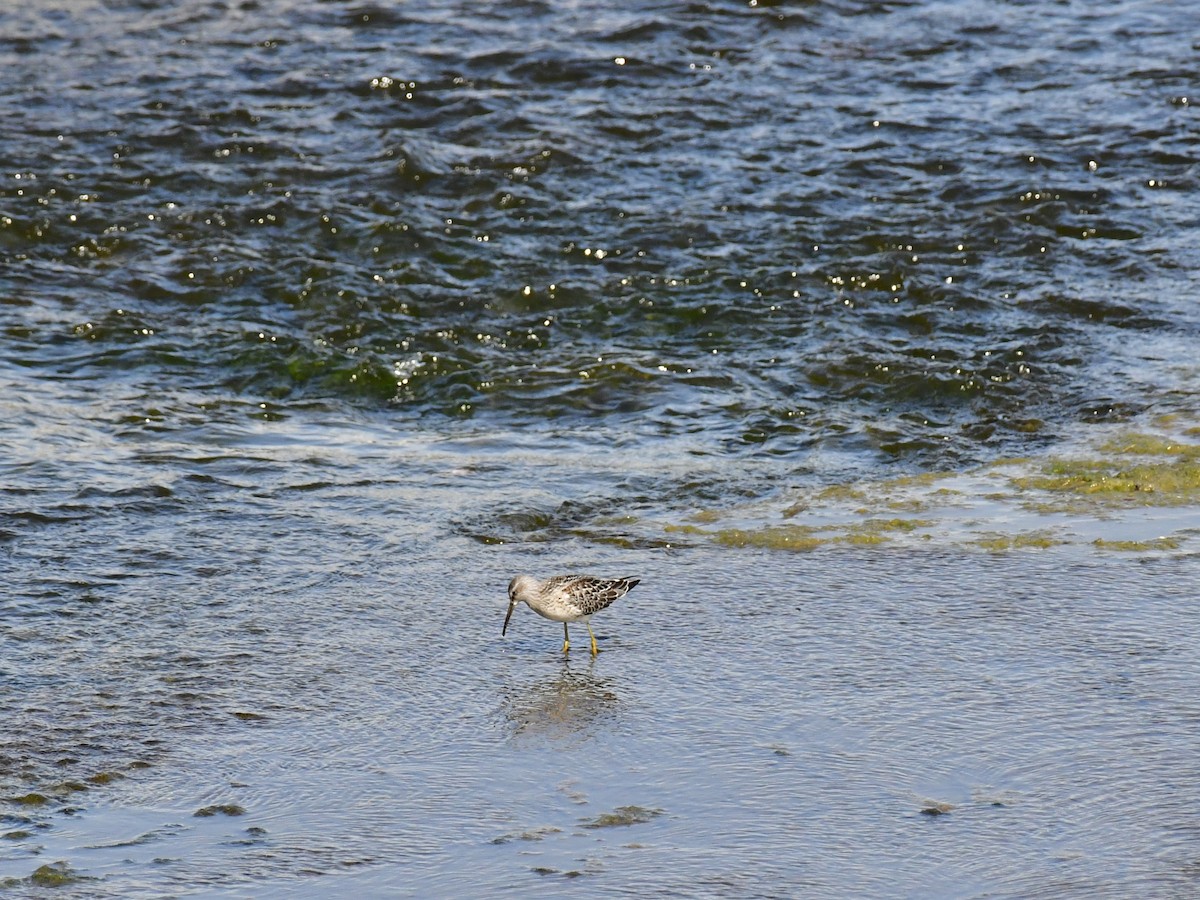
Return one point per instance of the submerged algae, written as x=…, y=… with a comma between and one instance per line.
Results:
x=1162, y=543
x=623, y=816
x=52, y=875
x=807, y=537
x=1039, y=540
x=1101, y=491
x=1132, y=472
x=783, y=537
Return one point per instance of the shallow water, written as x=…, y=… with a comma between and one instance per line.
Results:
x=862, y=333
x=790, y=733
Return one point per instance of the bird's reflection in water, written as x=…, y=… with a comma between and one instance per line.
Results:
x=570, y=704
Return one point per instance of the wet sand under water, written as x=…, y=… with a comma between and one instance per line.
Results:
x=850, y=721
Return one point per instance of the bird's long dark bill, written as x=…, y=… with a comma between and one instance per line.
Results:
x=511, y=607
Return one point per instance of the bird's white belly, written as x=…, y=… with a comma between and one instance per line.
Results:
x=559, y=613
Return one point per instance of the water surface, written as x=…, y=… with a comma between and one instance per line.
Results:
x=862, y=333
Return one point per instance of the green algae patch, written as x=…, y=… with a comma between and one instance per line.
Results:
x=1162, y=543
x=877, y=526
x=876, y=531
x=623, y=816
x=618, y=540
x=1124, y=483
x=224, y=809
x=935, y=808
x=685, y=529
x=841, y=493
x=56, y=874
x=1138, y=469
x=31, y=799
x=924, y=479
x=533, y=834
x=932, y=500
x=546, y=870
x=779, y=537
x=808, y=537
x=860, y=537
x=1168, y=483
x=903, y=493
x=1150, y=445
x=1030, y=540
x=104, y=777
x=610, y=521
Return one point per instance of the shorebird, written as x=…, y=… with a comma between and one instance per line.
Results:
x=567, y=598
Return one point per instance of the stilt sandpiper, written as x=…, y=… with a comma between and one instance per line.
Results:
x=567, y=598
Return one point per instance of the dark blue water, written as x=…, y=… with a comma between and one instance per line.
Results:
x=863, y=333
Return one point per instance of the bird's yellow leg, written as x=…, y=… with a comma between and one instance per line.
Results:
x=566, y=639
x=595, y=649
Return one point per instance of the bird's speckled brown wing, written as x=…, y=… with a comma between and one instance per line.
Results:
x=590, y=595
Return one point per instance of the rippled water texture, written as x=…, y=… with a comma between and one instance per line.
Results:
x=913, y=227
x=863, y=333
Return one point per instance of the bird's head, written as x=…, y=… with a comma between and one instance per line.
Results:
x=515, y=588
